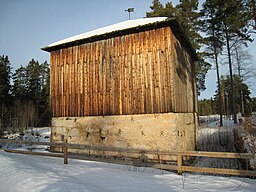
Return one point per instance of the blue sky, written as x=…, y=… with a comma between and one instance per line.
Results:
x=28, y=25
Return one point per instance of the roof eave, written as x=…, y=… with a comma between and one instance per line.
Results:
x=168, y=22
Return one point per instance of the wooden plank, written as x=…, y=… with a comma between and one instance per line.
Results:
x=123, y=75
x=73, y=86
x=126, y=73
x=100, y=78
x=219, y=171
x=113, y=76
x=133, y=75
x=137, y=78
x=154, y=73
x=168, y=68
x=64, y=82
x=129, y=72
x=163, y=72
x=58, y=87
x=68, y=88
x=151, y=91
x=90, y=80
x=65, y=151
x=78, y=72
x=104, y=49
x=70, y=52
x=52, y=85
x=85, y=79
x=97, y=76
x=179, y=162
x=159, y=70
x=117, y=72
x=120, y=77
x=146, y=73
x=94, y=88
x=30, y=142
x=217, y=154
x=142, y=71
x=172, y=71
x=81, y=50
x=107, y=78
x=33, y=153
x=60, y=77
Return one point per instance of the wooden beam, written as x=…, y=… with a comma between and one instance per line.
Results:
x=218, y=154
x=219, y=171
x=65, y=151
x=30, y=142
x=33, y=153
x=179, y=162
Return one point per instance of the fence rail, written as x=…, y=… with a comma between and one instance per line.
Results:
x=180, y=167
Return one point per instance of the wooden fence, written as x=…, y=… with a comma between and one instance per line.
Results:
x=179, y=166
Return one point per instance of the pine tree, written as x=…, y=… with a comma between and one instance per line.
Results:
x=235, y=21
x=157, y=9
x=210, y=25
x=44, y=107
x=188, y=16
x=5, y=77
x=250, y=6
x=231, y=23
x=31, y=93
x=5, y=87
x=20, y=83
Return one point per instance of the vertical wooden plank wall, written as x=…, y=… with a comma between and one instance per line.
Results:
x=140, y=73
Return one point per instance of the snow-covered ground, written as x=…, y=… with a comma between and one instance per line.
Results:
x=26, y=173
x=41, y=134
x=22, y=173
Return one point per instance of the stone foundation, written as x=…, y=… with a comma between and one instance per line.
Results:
x=166, y=132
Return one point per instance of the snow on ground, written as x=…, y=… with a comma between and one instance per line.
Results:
x=41, y=134
x=22, y=173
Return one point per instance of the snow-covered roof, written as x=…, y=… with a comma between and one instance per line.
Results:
x=123, y=27
x=109, y=29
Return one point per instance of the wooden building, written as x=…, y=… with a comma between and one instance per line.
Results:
x=131, y=84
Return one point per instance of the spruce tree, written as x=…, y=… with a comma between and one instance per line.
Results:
x=5, y=78
x=5, y=87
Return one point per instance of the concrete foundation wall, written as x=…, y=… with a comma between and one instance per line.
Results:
x=167, y=131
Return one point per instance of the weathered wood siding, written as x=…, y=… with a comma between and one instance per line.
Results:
x=140, y=73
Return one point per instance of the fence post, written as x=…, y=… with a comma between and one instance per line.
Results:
x=65, y=151
x=179, y=162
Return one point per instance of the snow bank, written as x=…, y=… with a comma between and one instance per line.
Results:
x=21, y=173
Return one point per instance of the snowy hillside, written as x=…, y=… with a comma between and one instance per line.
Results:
x=23, y=173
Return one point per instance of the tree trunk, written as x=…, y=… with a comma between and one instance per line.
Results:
x=218, y=77
x=240, y=86
x=231, y=76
